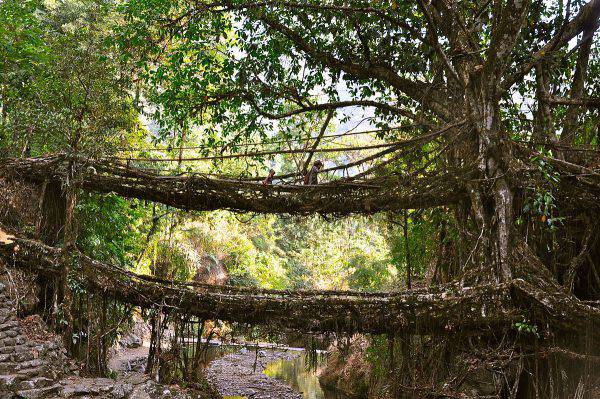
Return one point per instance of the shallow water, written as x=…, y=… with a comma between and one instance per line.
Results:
x=302, y=377
x=299, y=373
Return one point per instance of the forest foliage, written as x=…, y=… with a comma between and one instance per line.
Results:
x=170, y=80
x=158, y=84
x=77, y=77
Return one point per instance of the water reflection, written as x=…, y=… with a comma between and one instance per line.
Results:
x=299, y=374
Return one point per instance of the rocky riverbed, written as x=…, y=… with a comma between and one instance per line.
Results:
x=34, y=365
x=241, y=374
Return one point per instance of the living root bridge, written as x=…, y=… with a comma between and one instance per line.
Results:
x=443, y=309
x=203, y=193
x=424, y=311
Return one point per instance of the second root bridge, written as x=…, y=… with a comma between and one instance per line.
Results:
x=437, y=309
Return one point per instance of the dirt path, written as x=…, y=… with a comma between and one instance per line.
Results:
x=234, y=375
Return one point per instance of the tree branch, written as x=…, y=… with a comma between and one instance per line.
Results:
x=412, y=89
x=340, y=104
x=436, y=44
x=590, y=102
x=578, y=84
x=504, y=36
x=317, y=141
x=589, y=12
x=228, y=6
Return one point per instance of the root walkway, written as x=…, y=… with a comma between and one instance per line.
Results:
x=442, y=309
x=204, y=193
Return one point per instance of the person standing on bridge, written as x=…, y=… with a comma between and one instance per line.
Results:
x=269, y=179
x=311, y=177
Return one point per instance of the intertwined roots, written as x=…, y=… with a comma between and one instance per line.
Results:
x=530, y=295
x=579, y=187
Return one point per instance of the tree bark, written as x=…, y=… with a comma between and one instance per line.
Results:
x=543, y=130
x=52, y=209
x=491, y=195
x=51, y=219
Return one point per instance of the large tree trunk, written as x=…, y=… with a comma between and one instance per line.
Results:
x=52, y=213
x=50, y=231
x=57, y=208
x=491, y=193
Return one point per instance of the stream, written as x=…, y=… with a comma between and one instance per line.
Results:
x=282, y=373
x=239, y=372
x=302, y=377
